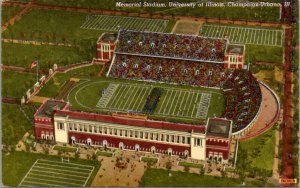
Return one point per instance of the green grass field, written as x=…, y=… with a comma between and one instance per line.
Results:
x=48, y=25
x=245, y=35
x=190, y=164
x=65, y=149
x=15, y=84
x=51, y=89
x=16, y=165
x=177, y=102
x=23, y=54
x=258, y=152
x=161, y=178
x=8, y=12
x=14, y=123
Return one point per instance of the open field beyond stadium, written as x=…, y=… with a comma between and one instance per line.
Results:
x=114, y=23
x=53, y=173
x=245, y=35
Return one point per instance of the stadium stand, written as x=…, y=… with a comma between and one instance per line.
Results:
x=243, y=98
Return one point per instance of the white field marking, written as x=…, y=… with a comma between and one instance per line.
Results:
x=189, y=107
x=216, y=31
x=195, y=106
x=172, y=102
x=247, y=35
x=87, y=179
x=220, y=32
x=276, y=37
x=148, y=91
x=57, y=177
x=58, y=173
x=96, y=22
x=114, y=96
x=209, y=30
x=60, y=170
x=269, y=37
x=74, y=164
x=185, y=104
x=272, y=38
x=119, y=97
x=223, y=32
x=163, y=102
x=258, y=36
x=251, y=35
x=127, y=97
x=144, y=24
x=54, y=181
x=28, y=172
x=265, y=39
x=229, y=33
x=179, y=97
x=242, y=35
x=100, y=22
x=66, y=167
x=185, y=92
x=142, y=93
x=254, y=37
x=124, y=95
x=164, y=112
x=133, y=98
x=212, y=30
x=40, y=183
x=233, y=35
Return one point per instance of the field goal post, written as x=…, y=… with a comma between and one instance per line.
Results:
x=67, y=159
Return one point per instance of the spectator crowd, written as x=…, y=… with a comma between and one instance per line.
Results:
x=171, y=45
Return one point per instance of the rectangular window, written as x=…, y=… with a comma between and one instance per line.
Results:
x=116, y=131
x=70, y=126
x=126, y=133
x=146, y=135
x=121, y=132
x=183, y=140
x=177, y=139
x=91, y=128
x=141, y=134
x=172, y=138
x=136, y=134
x=85, y=128
x=151, y=136
x=100, y=130
x=189, y=140
x=131, y=133
x=168, y=138
x=156, y=135
x=105, y=130
x=162, y=138
x=95, y=129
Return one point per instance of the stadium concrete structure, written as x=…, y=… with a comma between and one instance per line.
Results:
x=211, y=62
x=54, y=121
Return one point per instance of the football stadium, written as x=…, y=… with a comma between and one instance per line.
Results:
x=175, y=94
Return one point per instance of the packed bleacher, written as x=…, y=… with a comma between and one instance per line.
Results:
x=169, y=70
x=169, y=45
x=243, y=98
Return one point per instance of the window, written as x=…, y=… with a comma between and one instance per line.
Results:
x=71, y=126
x=60, y=126
x=136, y=134
x=116, y=131
x=210, y=73
x=95, y=129
x=126, y=133
x=80, y=127
x=75, y=127
x=168, y=138
x=183, y=140
x=162, y=138
x=172, y=138
x=131, y=133
x=85, y=128
x=146, y=135
x=156, y=135
x=197, y=72
x=91, y=128
x=121, y=132
x=141, y=134
x=105, y=130
x=100, y=130
x=189, y=140
x=177, y=139
x=198, y=142
x=151, y=136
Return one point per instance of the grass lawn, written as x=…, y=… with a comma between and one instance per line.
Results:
x=14, y=123
x=23, y=54
x=160, y=178
x=103, y=153
x=16, y=165
x=259, y=151
x=51, y=89
x=65, y=149
x=263, y=53
x=15, y=84
x=8, y=12
x=149, y=159
x=190, y=164
x=50, y=25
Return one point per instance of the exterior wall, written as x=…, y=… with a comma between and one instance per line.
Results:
x=198, y=151
x=126, y=143
x=61, y=133
x=215, y=152
x=217, y=147
x=43, y=129
x=105, y=51
x=234, y=65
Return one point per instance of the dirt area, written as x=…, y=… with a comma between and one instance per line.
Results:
x=187, y=27
x=38, y=99
x=278, y=74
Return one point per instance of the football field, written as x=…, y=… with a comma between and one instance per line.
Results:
x=114, y=23
x=245, y=35
x=174, y=102
x=47, y=173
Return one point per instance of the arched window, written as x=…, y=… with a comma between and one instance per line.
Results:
x=137, y=147
x=121, y=145
x=153, y=149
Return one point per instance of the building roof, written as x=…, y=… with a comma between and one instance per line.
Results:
x=169, y=45
x=218, y=127
x=48, y=107
x=235, y=49
x=108, y=37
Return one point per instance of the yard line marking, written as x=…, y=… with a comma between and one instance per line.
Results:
x=126, y=96
x=181, y=102
x=168, y=102
x=185, y=104
x=40, y=183
x=175, y=108
x=134, y=98
x=176, y=93
x=148, y=91
x=57, y=177
x=28, y=172
x=193, y=95
x=141, y=94
x=65, y=167
x=49, y=168
x=163, y=102
x=75, y=164
x=52, y=172
x=195, y=106
x=117, y=103
x=54, y=181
